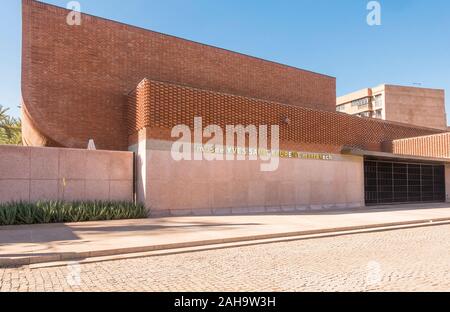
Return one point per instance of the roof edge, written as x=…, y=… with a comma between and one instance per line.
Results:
x=359, y=152
x=32, y=2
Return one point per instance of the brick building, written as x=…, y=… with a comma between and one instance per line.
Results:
x=415, y=106
x=127, y=87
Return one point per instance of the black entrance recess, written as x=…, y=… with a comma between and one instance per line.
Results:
x=392, y=182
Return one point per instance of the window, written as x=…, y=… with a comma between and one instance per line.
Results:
x=378, y=114
x=361, y=102
x=363, y=114
x=341, y=108
x=378, y=101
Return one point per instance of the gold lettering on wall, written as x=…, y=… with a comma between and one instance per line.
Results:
x=214, y=149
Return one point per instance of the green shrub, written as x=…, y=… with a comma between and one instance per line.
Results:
x=25, y=213
x=8, y=214
x=63, y=212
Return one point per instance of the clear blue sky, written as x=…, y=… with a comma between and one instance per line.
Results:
x=327, y=36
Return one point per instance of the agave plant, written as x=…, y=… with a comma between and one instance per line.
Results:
x=44, y=211
x=8, y=214
x=61, y=212
x=26, y=213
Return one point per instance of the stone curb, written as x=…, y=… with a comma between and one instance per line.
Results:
x=78, y=256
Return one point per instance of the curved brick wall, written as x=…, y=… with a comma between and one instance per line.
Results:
x=74, y=78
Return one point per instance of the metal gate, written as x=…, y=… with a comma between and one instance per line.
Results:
x=393, y=182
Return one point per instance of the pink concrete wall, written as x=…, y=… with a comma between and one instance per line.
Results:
x=36, y=174
x=225, y=187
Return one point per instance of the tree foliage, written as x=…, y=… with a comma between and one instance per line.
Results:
x=10, y=128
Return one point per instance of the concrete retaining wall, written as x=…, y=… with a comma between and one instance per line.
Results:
x=224, y=187
x=36, y=174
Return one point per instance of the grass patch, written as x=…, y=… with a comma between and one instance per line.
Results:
x=17, y=213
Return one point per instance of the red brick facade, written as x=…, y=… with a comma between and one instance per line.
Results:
x=159, y=106
x=427, y=146
x=75, y=78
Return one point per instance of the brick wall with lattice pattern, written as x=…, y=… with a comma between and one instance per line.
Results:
x=159, y=106
x=428, y=146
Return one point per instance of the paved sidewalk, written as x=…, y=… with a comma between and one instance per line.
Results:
x=414, y=259
x=45, y=243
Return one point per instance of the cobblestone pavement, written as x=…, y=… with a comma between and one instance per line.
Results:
x=402, y=260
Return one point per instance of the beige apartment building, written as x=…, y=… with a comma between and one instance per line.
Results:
x=411, y=105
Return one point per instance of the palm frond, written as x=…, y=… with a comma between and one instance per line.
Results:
x=10, y=128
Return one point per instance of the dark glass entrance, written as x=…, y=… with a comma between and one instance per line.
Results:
x=392, y=182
